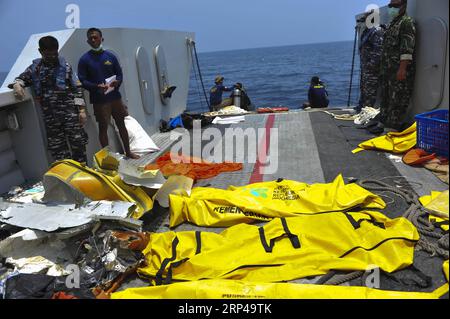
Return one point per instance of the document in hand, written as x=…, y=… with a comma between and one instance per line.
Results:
x=108, y=82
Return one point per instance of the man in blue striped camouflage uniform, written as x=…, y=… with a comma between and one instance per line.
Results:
x=60, y=96
x=370, y=49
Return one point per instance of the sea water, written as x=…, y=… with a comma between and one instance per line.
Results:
x=279, y=76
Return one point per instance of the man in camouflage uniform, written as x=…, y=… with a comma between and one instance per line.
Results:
x=397, y=66
x=61, y=99
x=370, y=49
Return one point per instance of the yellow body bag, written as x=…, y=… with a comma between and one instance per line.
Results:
x=392, y=142
x=437, y=202
x=445, y=269
x=97, y=186
x=267, y=200
x=284, y=249
x=235, y=289
x=444, y=288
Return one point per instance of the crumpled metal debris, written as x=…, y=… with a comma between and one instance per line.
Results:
x=106, y=252
x=32, y=194
x=40, y=286
x=4, y=277
x=137, y=175
x=53, y=217
x=37, y=265
x=109, y=256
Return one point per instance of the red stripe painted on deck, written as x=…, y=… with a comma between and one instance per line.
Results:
x=263, y=149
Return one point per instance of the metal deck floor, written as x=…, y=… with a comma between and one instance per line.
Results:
x=314, y=148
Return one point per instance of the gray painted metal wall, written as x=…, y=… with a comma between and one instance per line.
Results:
x=25, y=151
x=22, y=152
x=432, y=78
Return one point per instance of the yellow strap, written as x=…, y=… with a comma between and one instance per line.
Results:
x=357, y=150
x=234, y=289
x=441, y=291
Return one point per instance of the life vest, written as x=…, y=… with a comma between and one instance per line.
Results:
x=284, y=249
x=267, y=200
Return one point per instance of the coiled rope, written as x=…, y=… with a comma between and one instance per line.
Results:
x=418, y=216
x=333, y=279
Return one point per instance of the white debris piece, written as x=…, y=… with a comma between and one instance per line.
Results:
x=367, y=113
x=140, y=142
x=138, y=176
x=228, y=110
x=177, y=185
x=36, y=265
x=228, y=120
x=31, y=195
x=395, y=158
x=52, y=217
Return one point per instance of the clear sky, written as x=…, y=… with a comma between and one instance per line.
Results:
x=219, y=25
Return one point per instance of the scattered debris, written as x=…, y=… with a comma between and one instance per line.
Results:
x=228, y=110
x=175, y=185
x=395, y=158
x=139, y=176
x=140, y=142
x=228, y=120
x=32, y=194
x=36, y=265
x=53, y=217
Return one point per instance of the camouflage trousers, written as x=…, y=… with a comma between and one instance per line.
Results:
x=368, y=87
x=396, y=96
x=66, y=138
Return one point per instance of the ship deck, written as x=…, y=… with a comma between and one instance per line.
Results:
x=314, y=147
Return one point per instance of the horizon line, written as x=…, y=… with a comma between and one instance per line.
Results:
x=278, y=46
x=254, y=48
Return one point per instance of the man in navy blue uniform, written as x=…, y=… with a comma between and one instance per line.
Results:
x=317, y=95
x=94, y=68
x=370, y=49
x=215, y=94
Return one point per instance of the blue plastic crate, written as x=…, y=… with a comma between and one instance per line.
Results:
x=432, y=132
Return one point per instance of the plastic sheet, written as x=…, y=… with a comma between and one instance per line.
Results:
x=392, y=142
